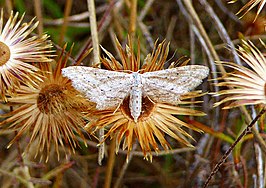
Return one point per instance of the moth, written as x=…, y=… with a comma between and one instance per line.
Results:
x=108, y=89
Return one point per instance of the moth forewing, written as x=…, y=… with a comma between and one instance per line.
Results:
x=106, y=88
x=167, y=85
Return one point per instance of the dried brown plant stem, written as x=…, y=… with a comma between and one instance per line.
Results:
x=225, y=9
x=200, y=32
x=227, y=153
x=96, y=61
x=38, y=13
x=258, y=155
x=110, y=164
x=19, y=158
x=20, y=178
x=100, y=28
x=133, y=18
x=124, y=167
x=206, y=43
x=259, y=160
x=145, y=31
x=117, y=25
x=264, y=178
x=198, y=24
x=158, y=154
x=26, y=174
x=67, y=12
x=238, y=41
x=245, y=171
x=171, y=27
x=54, y=172
x=221, y=29
x=140, y=153
x=256, y=133
x=114, y=38
x=75, y=17
x=145, y=9
x=9, y=5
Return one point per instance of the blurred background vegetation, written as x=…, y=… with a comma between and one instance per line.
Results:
x=160, y=20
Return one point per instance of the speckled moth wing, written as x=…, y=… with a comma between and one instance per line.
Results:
x=167, y=85
x=106, y=88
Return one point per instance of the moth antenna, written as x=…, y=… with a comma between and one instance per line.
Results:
x=227, y=153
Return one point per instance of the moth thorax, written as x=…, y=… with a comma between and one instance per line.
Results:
x=51, y=99
x=147, y=108
x=4, y=53
x=136, y=79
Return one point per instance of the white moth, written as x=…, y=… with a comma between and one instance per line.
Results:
x=108, y=89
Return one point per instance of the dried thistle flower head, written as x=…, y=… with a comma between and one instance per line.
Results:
x=247, y=85
x=52, y=111
x=17, y=50
x=156, y=118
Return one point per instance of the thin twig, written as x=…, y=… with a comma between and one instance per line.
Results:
x=207, y=46
x=146, y=34
x=258, y=155
x=133, y=18
x=245, y=172
x=256, y=133
x=72, y=24
x=18, y=177
x=67, y=12
x=228, y=152
x=38, y=13
x=171, y=27
x=161, y=153
x=9, y=5
x=110, y=164
x=264, y=178
x=237, y=41
x=142, y=26
x=140, y=153
x=96, y=58
x=94, y=32
x=202, y=31
x=100, y=28
x=72, y=18
x=221, y=30
x=259, y=159
x=192, y=45
x=226, y=11
x=124, y=167
x=145, y=9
